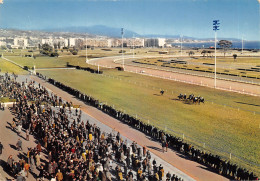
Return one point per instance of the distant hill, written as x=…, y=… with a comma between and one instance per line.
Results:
x=96, y=30
x=102, y=30
x=93, y=32
x=42, y=34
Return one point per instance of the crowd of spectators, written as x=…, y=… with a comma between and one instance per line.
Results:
x=75, y=148
x=221, y=166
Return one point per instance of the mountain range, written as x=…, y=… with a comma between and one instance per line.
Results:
x=116, y=32
x=92, y=32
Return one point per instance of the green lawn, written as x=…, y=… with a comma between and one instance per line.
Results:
x=39, y=62
x=6, y=66
x=216, y=125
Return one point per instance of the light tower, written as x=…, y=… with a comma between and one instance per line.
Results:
x=215, y=28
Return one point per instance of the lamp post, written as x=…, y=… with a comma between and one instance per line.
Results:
x=242, y=44
x=133, y=46
x=215, y=28
x=86, y=51
x=181, y=45
x=122, y=34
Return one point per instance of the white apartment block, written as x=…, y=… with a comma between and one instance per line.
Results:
x=128, y=42
x=155, y=42
x=71, y=42
x=48, y=41
x=2, y=43
x=98, y=42
x=20, y=43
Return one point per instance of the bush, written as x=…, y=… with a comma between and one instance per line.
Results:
x=122, y=51
x=74, y=52
x=53, y=54
x=120, y=68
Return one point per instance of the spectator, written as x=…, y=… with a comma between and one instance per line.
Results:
x=1, y=148
x=59, y=175
x=19, y=145
x=26, y=169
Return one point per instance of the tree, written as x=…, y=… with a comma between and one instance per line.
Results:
x=46, y=47
x=3, y=47
x=53, y=54
x=235, y=56
x=203, y=52
x=225, y=44
x=74, y=51
x=191, y=53
x=209, y=53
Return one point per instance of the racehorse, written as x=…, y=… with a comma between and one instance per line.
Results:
x=198, y=100
x=191, y=98
x=182, y=96
x=201, y=99
x=195, y=100
x=162, y=92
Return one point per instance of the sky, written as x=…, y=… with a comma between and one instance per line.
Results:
x=238, y=18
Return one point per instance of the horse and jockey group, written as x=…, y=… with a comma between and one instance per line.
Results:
x=192, y=98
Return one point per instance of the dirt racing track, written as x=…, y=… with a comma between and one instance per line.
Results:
x=227, y=85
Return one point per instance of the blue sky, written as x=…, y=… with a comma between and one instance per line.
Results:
x=238, y=18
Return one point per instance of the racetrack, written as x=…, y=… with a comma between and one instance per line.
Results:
x=189, y=167
x=227, y=85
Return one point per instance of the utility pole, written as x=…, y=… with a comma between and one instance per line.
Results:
x=215, y=28
x=122, y=33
